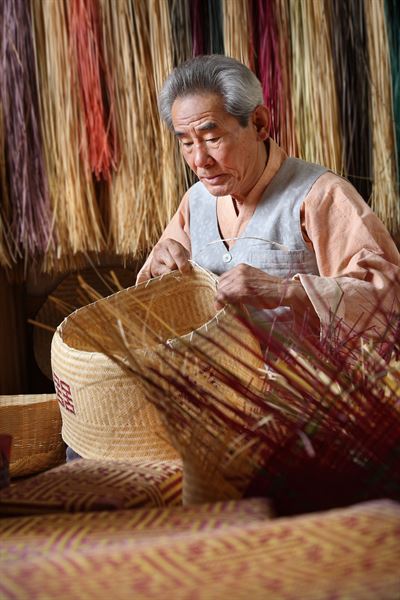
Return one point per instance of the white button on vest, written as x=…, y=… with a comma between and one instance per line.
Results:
x=227, y=257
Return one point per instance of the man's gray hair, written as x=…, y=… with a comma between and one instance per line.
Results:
x=216, y=74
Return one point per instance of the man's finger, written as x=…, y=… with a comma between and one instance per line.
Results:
x=180, y=257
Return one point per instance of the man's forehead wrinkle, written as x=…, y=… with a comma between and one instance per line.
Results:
x=207, y=126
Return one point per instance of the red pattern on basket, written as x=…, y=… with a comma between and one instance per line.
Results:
x=64, y=394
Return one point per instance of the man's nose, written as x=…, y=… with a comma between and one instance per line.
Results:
x=201, y=156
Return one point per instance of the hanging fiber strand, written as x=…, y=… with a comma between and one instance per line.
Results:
x=198, y=27
x=6, y=257
x=31, y=224
x=385, y=199
x=269, y=67
x=76, y=215
x=173, y=180
x=315, y=102
x=236, y=38
x=180, y=28
x=94, y=84
x=350, y=60
x=216, y=38
x=392, y=12
x=287, y=131
x=146, y=188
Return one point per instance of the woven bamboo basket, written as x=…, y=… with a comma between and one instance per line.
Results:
x=156, y=333
x=34, y=423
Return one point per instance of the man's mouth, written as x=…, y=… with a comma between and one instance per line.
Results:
x=212, y=178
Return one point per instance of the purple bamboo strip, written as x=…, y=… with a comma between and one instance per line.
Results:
x=31, y=223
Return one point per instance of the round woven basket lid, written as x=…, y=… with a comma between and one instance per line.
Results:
x=66, y=298
x=34, y=423
x=103, y=354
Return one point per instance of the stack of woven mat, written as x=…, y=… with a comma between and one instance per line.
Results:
x=132, y=520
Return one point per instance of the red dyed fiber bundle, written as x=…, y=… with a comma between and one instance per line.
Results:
x=95, y=84
x=269, y=66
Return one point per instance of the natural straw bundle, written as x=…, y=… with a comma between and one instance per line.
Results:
x=237, y=24
x=315, y=102
x=385, y=197
x=149, y=181
x=76, y=215
x=30, y=224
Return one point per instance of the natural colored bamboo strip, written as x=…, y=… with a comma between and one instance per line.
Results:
x=385, y=198
x=77, y=220
x=315, y=99
x=148, y=183
x=236, y=26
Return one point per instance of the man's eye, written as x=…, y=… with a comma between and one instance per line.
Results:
x=187, y=144
x=214, y=139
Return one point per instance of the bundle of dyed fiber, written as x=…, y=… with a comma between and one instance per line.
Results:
x=237, y=39
x=287, y=133
x=385, y=199
x=30, y=216
x=149, y=182
x=315, y=102
x=392, y=12
x=77, y=220
x=274, y=70
x=181, y=30
x=319, y=428
x=5, y=243
x=350, y=60
x=268, y=64
x=95, y=83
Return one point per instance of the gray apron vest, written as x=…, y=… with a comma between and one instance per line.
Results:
x=272, y=240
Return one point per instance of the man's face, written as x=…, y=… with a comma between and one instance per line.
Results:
x=226, y=157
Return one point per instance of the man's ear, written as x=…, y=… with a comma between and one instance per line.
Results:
x=261, y=121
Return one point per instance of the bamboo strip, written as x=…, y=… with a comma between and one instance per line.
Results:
x=385, y=196
x=314, y=94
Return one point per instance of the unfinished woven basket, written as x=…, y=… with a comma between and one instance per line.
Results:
x=34, y=422
x=156, y=332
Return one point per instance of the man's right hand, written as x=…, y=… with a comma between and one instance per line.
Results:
x=167, y=256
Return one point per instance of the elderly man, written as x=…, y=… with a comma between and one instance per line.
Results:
x=285, y=236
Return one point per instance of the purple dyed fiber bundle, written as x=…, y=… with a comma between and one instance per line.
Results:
x=31, y=221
